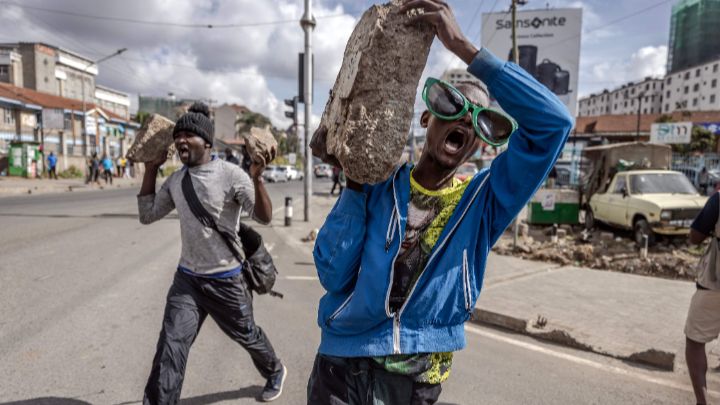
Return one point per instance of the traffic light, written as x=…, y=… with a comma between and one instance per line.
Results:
x=293, y=113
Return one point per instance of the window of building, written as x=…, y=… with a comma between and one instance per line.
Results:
x=669, y=80
x=694, y=102
x=8, y=116
x=626, y=104
x=697, y=73
x=687, y=89
x=712, y=98
x=644, y=110
x=696, y=87
x=632, y=91
x=713, y=83
x=667, y=107
x=4, y=70
x=687, y=75
x=668, y=93
x=647, y=86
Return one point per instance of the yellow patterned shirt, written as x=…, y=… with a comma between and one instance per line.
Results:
x=428, y=213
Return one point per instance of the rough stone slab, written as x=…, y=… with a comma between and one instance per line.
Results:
x=261, y=144
x=370, y=109
x=153, y=139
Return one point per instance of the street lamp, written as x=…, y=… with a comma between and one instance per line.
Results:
x=639, y=111
x=84, y=123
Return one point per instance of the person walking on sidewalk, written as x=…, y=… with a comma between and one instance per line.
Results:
x=107, y=169
x=209, y=279
x=402, y=261
x=703, y=320
x=52, y=166
x=335, y=179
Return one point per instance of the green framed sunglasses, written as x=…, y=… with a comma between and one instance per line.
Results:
x=446, y=102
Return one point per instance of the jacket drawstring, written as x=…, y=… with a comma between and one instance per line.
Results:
x=392, y=226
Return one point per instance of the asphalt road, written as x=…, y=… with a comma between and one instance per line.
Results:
x=82, y=290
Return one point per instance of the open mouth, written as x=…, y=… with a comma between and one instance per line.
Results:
x=455, y=141
x=183, y=151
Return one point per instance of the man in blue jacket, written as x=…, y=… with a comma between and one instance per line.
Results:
x=403, y=261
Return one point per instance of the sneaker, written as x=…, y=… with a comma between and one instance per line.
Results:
x=273, y=388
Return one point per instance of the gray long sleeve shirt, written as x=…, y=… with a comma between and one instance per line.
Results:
x=224, y=189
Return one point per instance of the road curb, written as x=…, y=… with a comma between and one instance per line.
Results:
x=660, y=359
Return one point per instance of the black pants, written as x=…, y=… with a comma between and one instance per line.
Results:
x=189, y=301
x=52, y=172
x=360, y=381
x=108, y=176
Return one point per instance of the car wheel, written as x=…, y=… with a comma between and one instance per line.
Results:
x=642, y=228
x=589, y=219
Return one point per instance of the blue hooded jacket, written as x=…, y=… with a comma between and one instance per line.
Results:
x=357, y=246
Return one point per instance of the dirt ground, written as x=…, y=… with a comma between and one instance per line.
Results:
x=603, y=249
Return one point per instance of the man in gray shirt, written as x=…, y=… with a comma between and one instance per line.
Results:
x=209, y=279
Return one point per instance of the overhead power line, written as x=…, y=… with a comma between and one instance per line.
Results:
x=162, y=23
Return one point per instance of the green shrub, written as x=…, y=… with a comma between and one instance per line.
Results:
x=72, y=172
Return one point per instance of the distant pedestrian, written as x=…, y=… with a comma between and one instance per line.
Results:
x=230, y=157
x=118, y=166
x=335, y=179
x=93, y=165
x=131, y=168
x=210, y=279
x=123, y=167
x=52, y=164
x=703, y=181
x=703, y=319
x=107, y=169
x=246, y=160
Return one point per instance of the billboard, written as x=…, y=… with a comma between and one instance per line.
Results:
x=548, y=46
x=671, y=132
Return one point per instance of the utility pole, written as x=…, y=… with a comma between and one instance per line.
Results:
x=84, y=108
x=513, y=12
x=639, y=111
x=308, y=24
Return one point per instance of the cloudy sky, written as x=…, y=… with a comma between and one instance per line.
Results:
x=250, y=55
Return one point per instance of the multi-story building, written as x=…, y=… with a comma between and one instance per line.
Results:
x=112, y=100
x=11, y=67
x=645, y=96
x=694, y=38
x=226, y=117
x=52, y=70
x=168, y=107
x=693, y=89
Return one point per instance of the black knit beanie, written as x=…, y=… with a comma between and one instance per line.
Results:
x=197, y=120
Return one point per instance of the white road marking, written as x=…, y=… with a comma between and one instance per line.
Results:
x=304, y=278
x=582, y=361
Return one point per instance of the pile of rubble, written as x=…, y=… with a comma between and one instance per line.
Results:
x=602, y=250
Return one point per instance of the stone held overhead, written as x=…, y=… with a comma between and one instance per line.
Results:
x=370, y=109
x=153, y=140
x=261, y=144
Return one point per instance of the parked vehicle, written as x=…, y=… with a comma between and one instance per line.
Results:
x=293, y=173
x=322, y=170
x=631, y=188
x=273, y=174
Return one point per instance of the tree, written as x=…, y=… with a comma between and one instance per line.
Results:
x=142, y=117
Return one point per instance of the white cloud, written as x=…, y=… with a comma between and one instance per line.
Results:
x=646, y=61
x=255, y=66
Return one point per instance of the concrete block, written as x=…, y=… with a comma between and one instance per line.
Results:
x=261, y=144
x=153, y=139
x=370, y=108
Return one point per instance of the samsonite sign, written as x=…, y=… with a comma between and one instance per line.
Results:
x=671, y=132
x=548, y=46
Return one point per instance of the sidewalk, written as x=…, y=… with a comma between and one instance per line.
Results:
x=630, y=317
x=18, y=185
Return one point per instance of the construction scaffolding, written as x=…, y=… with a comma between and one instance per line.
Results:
x=694, y=38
